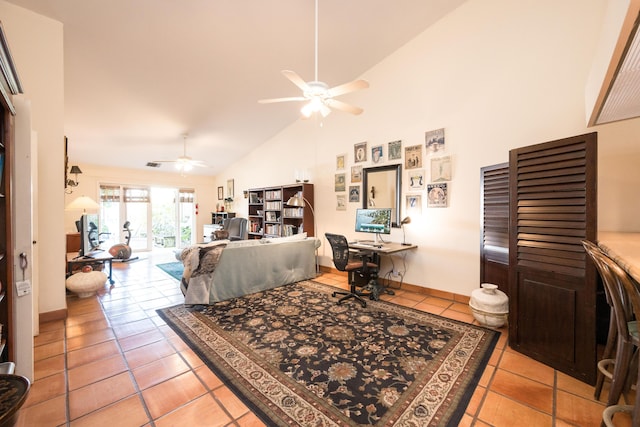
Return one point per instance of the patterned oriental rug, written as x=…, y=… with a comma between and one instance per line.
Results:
x=295, y=357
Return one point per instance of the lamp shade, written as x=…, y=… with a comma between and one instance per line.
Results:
x=83, y=203
x=75, y=170
x=296, y=201
x=405, y=220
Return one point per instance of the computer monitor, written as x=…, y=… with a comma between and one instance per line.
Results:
x=377, y=221
x=89, y=233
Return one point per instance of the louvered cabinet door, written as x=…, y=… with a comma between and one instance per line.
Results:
x=494, y=242
x=552, y=307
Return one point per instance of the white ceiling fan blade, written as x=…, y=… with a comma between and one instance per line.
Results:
x=163, y=161
x=273, y=100
x=348, y=87
x=296, y=79
x=343, y=106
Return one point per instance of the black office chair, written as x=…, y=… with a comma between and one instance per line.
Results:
x=362, y=269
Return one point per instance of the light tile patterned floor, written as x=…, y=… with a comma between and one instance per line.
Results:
x=113, y=362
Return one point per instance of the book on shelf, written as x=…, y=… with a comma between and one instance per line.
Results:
x=275, y=206
x=293, y=212
x=273, y=195
x=272, y=229
x=288, y=230
x=254, y=226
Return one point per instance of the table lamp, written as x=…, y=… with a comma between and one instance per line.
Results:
x=83, y=203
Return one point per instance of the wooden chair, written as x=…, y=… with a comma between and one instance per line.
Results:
x=362, y=268
x=606, y=363
x=624, y=298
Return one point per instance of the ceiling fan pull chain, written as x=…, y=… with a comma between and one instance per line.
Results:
x=316, y=58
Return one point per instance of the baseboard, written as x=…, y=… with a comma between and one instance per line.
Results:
x=51, y=316
x=464, y=299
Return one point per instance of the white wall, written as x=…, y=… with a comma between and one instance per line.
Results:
x=36, y=46
x=496, y=74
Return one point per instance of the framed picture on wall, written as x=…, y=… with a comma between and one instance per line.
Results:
x=416, y=179
x=341, y=202
x=341, y=161
x=377, y=154
x=441, y=169
x=360, y=152
x=437, y=195
x=356, y=173
x=354, y=194
x=414, y=204
x=220, y=193
x=340, y=183
x=434, y=141
x=395, y=150
x=230, y=188
x=413, y=157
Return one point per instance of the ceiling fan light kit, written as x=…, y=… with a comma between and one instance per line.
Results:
x=318, y=94
x=183, y=163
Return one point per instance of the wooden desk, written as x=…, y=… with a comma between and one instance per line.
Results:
x=73, y=242
x=102, y=257
x=623, y=248
x=376, y=251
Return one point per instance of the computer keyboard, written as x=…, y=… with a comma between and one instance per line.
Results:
x=369, y=244
x=93, y=253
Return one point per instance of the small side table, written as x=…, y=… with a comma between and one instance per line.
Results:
x=103, y=257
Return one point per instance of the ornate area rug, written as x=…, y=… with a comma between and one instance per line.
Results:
x=295, y=357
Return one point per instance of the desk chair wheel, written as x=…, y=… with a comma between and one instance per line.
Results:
x=349, y=295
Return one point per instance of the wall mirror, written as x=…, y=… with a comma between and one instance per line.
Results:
x=382, y=189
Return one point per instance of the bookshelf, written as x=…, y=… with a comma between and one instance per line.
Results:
x=270, y=216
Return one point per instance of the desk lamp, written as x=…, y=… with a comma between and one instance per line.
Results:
x=405, y=220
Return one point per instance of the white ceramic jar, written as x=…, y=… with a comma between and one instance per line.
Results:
x=490, y=306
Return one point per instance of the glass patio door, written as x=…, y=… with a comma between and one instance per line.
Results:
x=158, y=216
x=118, y=204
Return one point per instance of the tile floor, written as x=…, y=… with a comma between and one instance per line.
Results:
x=113, y=362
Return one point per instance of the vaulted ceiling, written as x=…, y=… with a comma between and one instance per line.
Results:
x=140, y=74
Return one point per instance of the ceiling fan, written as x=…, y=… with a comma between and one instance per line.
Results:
x=184, y=163
x=319, y=95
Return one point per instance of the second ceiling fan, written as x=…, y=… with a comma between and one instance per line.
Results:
x=184, y=163
x=319, y=95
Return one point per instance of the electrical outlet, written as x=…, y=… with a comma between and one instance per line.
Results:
x=395, y=272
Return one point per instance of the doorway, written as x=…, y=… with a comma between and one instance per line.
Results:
x=159, y=217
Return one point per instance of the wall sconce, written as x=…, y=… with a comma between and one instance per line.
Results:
x=71, y=183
